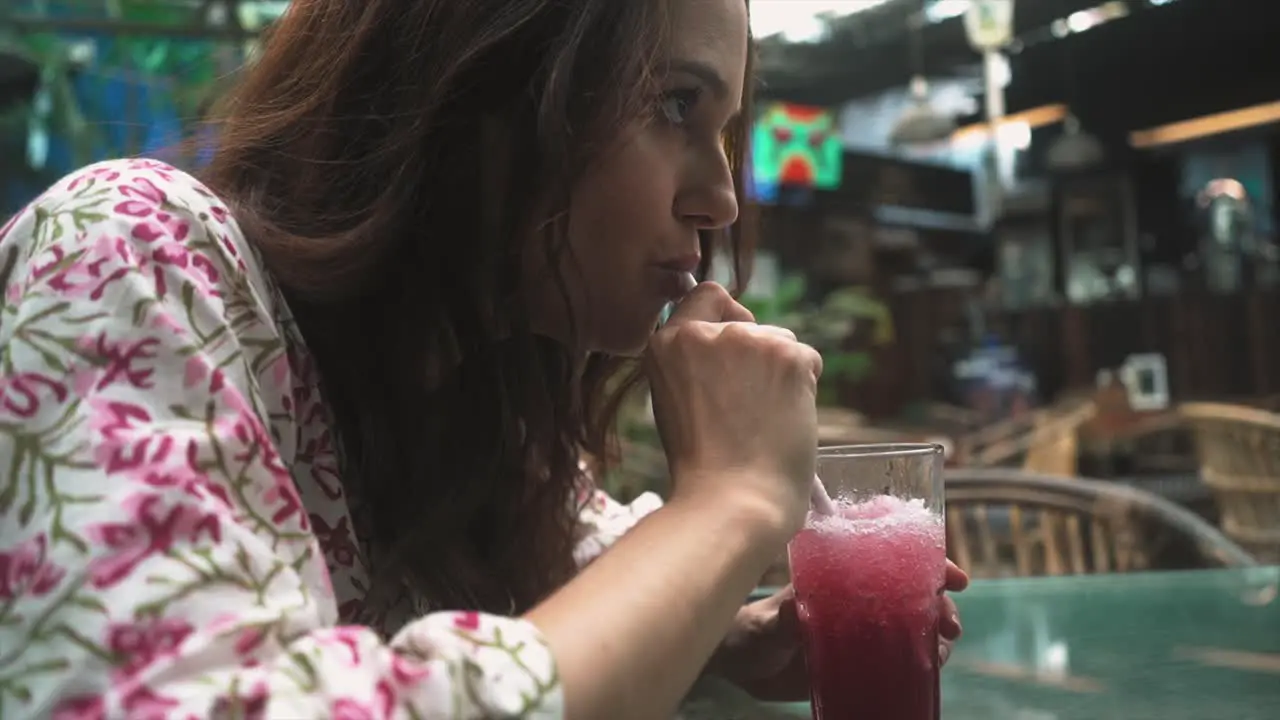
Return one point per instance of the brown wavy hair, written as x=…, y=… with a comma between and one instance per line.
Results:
x=392, y=160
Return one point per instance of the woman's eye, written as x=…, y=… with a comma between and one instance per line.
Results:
x=677, y=104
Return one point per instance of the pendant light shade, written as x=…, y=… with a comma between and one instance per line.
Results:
x=921, y=123
x=1075, y=149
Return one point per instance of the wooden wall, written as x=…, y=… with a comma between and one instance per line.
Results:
x=1216, y=346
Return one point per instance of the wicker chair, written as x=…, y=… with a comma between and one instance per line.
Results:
x=1160, y=445
x=1045, y=441
x=1239, y=452
x=1004, y=523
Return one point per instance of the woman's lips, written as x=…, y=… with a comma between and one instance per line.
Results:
x=675, y=284
x=685, y=263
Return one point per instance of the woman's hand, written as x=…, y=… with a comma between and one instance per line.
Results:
x=735, y=406
x=734, y=403
x=762, y=653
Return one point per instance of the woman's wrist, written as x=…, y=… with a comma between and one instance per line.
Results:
x=617, y=647
x=767, y=525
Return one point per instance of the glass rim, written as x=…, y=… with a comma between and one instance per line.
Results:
x=881, y=450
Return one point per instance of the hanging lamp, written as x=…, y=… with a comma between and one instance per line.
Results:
x=1075, y=149
x=921, y=123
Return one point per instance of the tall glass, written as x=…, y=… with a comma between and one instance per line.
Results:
x=867, y=581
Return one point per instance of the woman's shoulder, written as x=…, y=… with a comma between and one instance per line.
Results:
x=140, y=213
x=140, y=254
x=127, y=176
x=144, y=230
x=139, y=201
x=123, y=173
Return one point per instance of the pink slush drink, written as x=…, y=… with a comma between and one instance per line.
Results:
x=866, y=585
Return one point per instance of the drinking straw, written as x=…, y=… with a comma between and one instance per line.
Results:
x=819, y=501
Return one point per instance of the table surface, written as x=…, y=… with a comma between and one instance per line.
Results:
x=1195, y=645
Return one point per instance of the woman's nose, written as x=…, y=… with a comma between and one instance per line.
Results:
x=709, y=202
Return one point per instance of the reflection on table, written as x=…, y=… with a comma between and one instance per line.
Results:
x=1195, y=645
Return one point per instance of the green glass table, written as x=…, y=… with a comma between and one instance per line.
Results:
x=1198, y=645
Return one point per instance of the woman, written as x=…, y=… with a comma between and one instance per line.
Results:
x=304, y=439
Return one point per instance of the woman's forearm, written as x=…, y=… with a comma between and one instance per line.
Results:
x=634, y=630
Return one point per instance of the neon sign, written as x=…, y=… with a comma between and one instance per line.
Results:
x=795, y=146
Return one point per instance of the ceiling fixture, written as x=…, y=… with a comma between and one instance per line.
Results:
x=1075, y=149
x=921, y=123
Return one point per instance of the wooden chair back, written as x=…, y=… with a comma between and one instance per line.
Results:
x=1009, y=523
x=1239, y=452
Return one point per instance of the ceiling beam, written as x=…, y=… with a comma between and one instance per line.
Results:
x=856, y=62
x=1183, y=60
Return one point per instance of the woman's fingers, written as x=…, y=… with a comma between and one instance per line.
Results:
x=944, y=651
x=710, y=302
x=956, y=579
x=948, y=618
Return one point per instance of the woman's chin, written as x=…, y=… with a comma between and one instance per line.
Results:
x=626, y=338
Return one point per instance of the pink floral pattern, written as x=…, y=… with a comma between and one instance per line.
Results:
x=174, y=538
x=602, y=520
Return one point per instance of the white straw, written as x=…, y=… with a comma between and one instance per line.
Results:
x=819, y=500
x=687, y=283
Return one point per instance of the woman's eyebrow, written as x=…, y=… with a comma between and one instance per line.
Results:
x=703, y=72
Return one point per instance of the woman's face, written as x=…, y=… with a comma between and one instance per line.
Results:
x=635, y=215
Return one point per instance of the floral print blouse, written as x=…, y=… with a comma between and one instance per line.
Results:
x=174, y=539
